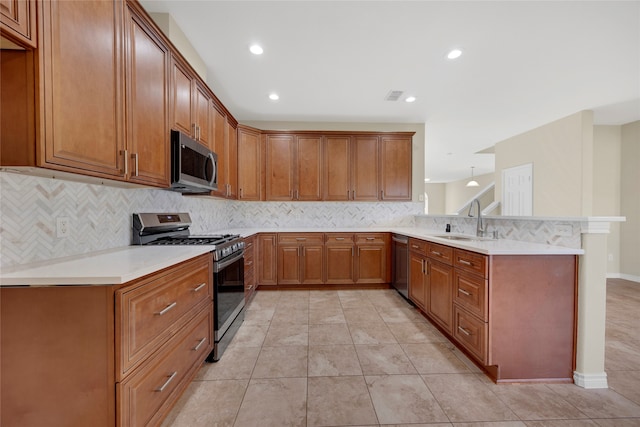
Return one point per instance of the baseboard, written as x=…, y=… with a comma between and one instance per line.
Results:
x=590, y=380
x=630, y=277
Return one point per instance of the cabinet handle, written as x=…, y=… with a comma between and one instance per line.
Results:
x=249, y=263
x=126, y=161
x=340, y=238
x=166, y=383
x=370, y=238
x=135, y=164
x=464, y=331
x=462, y=291
x=354, y=194
x=240, y=191
x=167, y=308
x=194, y=131
x=422, y=263
x=301, y=239
x=436, y=253
x=464, y=261
x=415, y=246
x=352, y=251
x=296, y=193
x=304, y=250
x=200, y=286
x=199, y=344
x=381, y=194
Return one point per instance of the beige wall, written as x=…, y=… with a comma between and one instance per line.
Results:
x=458, y=194
x=171, y=29
x=607, y=146
x=417, y=168
x=436, y=195
x=562, y=157
x=630, y=201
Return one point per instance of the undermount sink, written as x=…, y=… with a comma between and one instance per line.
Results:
x=464, y=238
x=448, y=237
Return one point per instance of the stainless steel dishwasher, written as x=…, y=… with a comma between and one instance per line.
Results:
x=400, y=265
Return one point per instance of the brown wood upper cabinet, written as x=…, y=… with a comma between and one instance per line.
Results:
x=293, y=167
x=395, y=167
x=191, y=103
x=101, y=70
x=224, y=143
x=351, y=168
x=249, y=164
x=18, y=21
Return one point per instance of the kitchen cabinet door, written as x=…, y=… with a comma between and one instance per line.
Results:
x=417, y=280
x=219, y=145
x=308, y=168
x=82, y=90
x=337, y=168
x=373, y=265
x=181, y=97
x=148, y=65
x=289, y=265
x=249, y=164
x=267, y=259
x=440, y=294
x=395, y=168
x=280, y=157
x=339, y=256
x=312, y=265
x=364, y=173
x=18, y=21
x=203, y=116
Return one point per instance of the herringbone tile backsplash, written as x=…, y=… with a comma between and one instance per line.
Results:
x=100, y=216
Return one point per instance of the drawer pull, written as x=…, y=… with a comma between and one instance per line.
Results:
x=415, y=246
x=462, y=291
x=370, y=238
x=167, y=308
x=301, y=239
x=199, y=344
x=464, y=331
x=339, y=238
x=249, y=263
x=200, y=286
x=465, y=262
x=166, y=383
x=436, y=253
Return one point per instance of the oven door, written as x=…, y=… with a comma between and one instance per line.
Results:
x=228, y=292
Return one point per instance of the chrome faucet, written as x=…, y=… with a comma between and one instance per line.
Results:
x=479, y=224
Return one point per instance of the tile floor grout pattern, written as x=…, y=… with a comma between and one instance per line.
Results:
x=368, y=358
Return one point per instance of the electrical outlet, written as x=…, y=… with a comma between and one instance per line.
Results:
x=610, y=257
x=421, y=197
x=62, y=227
x=564, y=230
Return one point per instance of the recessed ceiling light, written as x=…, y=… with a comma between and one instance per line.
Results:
x=256, y=49
x=455, y=53
x=274, y=97
x=410, y=99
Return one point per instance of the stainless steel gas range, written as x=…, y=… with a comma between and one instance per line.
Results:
x=228, y=267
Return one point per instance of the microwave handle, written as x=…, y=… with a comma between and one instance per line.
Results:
x=213, y=168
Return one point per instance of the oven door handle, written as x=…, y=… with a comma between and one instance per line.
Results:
x=221, y=265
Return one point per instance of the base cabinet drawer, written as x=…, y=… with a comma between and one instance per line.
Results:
x=147, y=395
x=471, y=333
x=155, y=310
x=470, y=292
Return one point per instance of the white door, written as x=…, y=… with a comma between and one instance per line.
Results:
x=517, y=191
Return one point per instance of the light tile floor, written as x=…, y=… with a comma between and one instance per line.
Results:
x=367, y=358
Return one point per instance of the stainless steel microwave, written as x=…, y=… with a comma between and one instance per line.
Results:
x=194, y=168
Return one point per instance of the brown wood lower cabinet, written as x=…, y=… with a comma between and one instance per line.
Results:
x=316, y=259
x=249, y=268
x=91, y=356
x=513, y=315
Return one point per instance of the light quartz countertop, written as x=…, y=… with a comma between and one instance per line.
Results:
x=111, y=267
x=121, y=265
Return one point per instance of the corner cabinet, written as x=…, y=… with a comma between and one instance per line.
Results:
x=110, y=356
x=250, y=157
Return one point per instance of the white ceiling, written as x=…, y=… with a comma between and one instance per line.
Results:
x=524, y=64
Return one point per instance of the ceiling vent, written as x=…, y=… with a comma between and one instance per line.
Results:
x=393, y=95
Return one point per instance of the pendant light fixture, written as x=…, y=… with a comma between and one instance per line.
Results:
x=473, y=182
